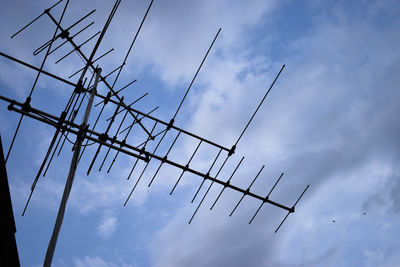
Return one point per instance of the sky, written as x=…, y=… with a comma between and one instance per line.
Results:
x=330, y=121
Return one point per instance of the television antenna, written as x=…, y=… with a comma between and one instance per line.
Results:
x=65, y=124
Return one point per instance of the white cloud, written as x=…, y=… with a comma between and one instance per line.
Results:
x=97, y=261
x=107, y=226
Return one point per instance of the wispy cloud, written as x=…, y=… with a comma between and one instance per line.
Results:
x=107, y=226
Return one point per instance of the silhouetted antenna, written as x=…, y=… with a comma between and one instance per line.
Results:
x=65, y=124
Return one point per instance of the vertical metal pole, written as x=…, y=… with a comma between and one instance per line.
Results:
x=71, y=175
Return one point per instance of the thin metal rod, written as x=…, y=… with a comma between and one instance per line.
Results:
x=259, y=105
x=40, y=170
x=144, y=169
x=81, y=19
x=248, y=190
x=100, y=145
x=13, y=139
x=275, y=184
x=284, y=219
x=132, y=43
x=117, y=68
x=229, y=180
x=38, y=69
x=144, y=147
x=208, y=173
x=197, y=72
x=30, y=23
x=68, y=185
x=115, y=137
x=208, y=189
x=166, y=155
x=187, y=165
x=256, y=212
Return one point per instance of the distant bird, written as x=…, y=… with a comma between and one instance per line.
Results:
x=365, y=213
x=333, y=220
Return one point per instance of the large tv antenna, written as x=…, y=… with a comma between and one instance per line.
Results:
x=84, y=83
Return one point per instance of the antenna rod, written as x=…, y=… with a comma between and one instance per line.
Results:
x=208, y=189
x=144, y=169
x=70, y=179
x=292, y=209
x=266, y=198
x=228, y=182
x=259, y=105
x=186, y=166
x=115, y=137
x=197, y=72
x=165, y=157
x=208, y=174
x=30, y=23
x=130, y=47
x=248, y=190
x=105, y=135
x=143, y=148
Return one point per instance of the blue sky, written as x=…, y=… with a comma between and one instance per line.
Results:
x=331, y=121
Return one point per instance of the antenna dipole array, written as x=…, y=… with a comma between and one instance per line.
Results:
x=65, y=124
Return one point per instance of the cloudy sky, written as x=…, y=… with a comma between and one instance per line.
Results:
x=331, y=121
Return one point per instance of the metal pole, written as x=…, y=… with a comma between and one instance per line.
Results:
x=71, y=175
